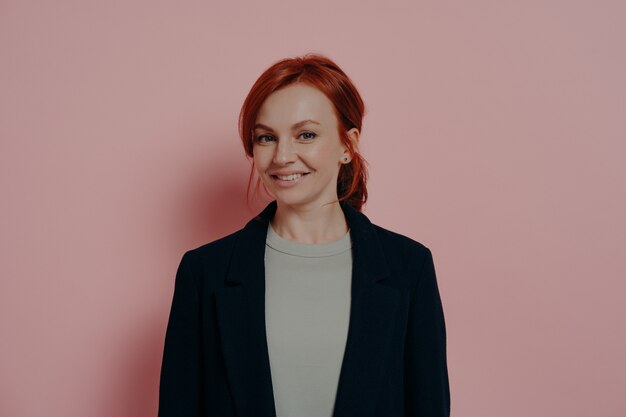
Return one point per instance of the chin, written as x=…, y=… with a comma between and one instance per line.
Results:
x=290, y=199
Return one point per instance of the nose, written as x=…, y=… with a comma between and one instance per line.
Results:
x=284, y=152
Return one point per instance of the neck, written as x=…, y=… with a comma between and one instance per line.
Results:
x=312, y=224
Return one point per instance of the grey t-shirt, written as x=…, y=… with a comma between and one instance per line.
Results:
x=307, y=313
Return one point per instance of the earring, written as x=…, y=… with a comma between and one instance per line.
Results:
x=345, y=159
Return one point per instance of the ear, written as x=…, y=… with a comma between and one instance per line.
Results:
x=353, y=135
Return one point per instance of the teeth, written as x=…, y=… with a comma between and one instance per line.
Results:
x=289, y=177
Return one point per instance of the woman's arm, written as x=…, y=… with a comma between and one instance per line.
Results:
x=179, y=390
x=427, y=391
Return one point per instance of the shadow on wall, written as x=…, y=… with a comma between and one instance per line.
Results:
x=216, y=201
x=134, y=388
x=214, y=205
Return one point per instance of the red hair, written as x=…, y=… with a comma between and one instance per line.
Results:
x=322, y=73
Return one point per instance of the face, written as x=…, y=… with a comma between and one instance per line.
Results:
x=297, y=151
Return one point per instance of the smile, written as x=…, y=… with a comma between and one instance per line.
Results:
x=288, y=180
x=288, y=177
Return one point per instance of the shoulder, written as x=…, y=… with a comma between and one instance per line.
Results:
x=400, y=248
x=392, y=238
x=211, y=253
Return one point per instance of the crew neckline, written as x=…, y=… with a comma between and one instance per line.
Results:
x=309, y=250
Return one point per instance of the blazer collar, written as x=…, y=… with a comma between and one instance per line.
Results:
x=247, y=262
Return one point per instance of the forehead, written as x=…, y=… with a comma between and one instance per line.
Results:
x=294, y=103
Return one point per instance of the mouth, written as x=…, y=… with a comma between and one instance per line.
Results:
x=292, y=177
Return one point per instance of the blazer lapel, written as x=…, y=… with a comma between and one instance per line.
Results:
x=241, y=320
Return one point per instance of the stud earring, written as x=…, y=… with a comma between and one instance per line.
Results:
x=345, y=159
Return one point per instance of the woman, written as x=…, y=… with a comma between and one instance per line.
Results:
x=309, y=309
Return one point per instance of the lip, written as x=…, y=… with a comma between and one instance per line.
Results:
x=286, y=183
x=285, y=173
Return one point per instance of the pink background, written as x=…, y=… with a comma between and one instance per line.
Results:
x=495, y=133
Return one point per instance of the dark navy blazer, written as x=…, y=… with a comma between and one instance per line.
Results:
x=215, y=360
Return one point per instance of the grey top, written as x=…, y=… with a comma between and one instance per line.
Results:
x=307, y=313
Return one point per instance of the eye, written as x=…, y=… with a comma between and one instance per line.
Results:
x=311, y=135
x=261, y=138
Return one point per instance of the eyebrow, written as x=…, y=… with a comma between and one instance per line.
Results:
x=295, y=126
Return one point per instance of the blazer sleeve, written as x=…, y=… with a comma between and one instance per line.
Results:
x=179, y=389
x=427, y=391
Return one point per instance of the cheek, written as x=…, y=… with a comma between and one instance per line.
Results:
x=259, y=158
x=324, y=159
x=321, y=156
